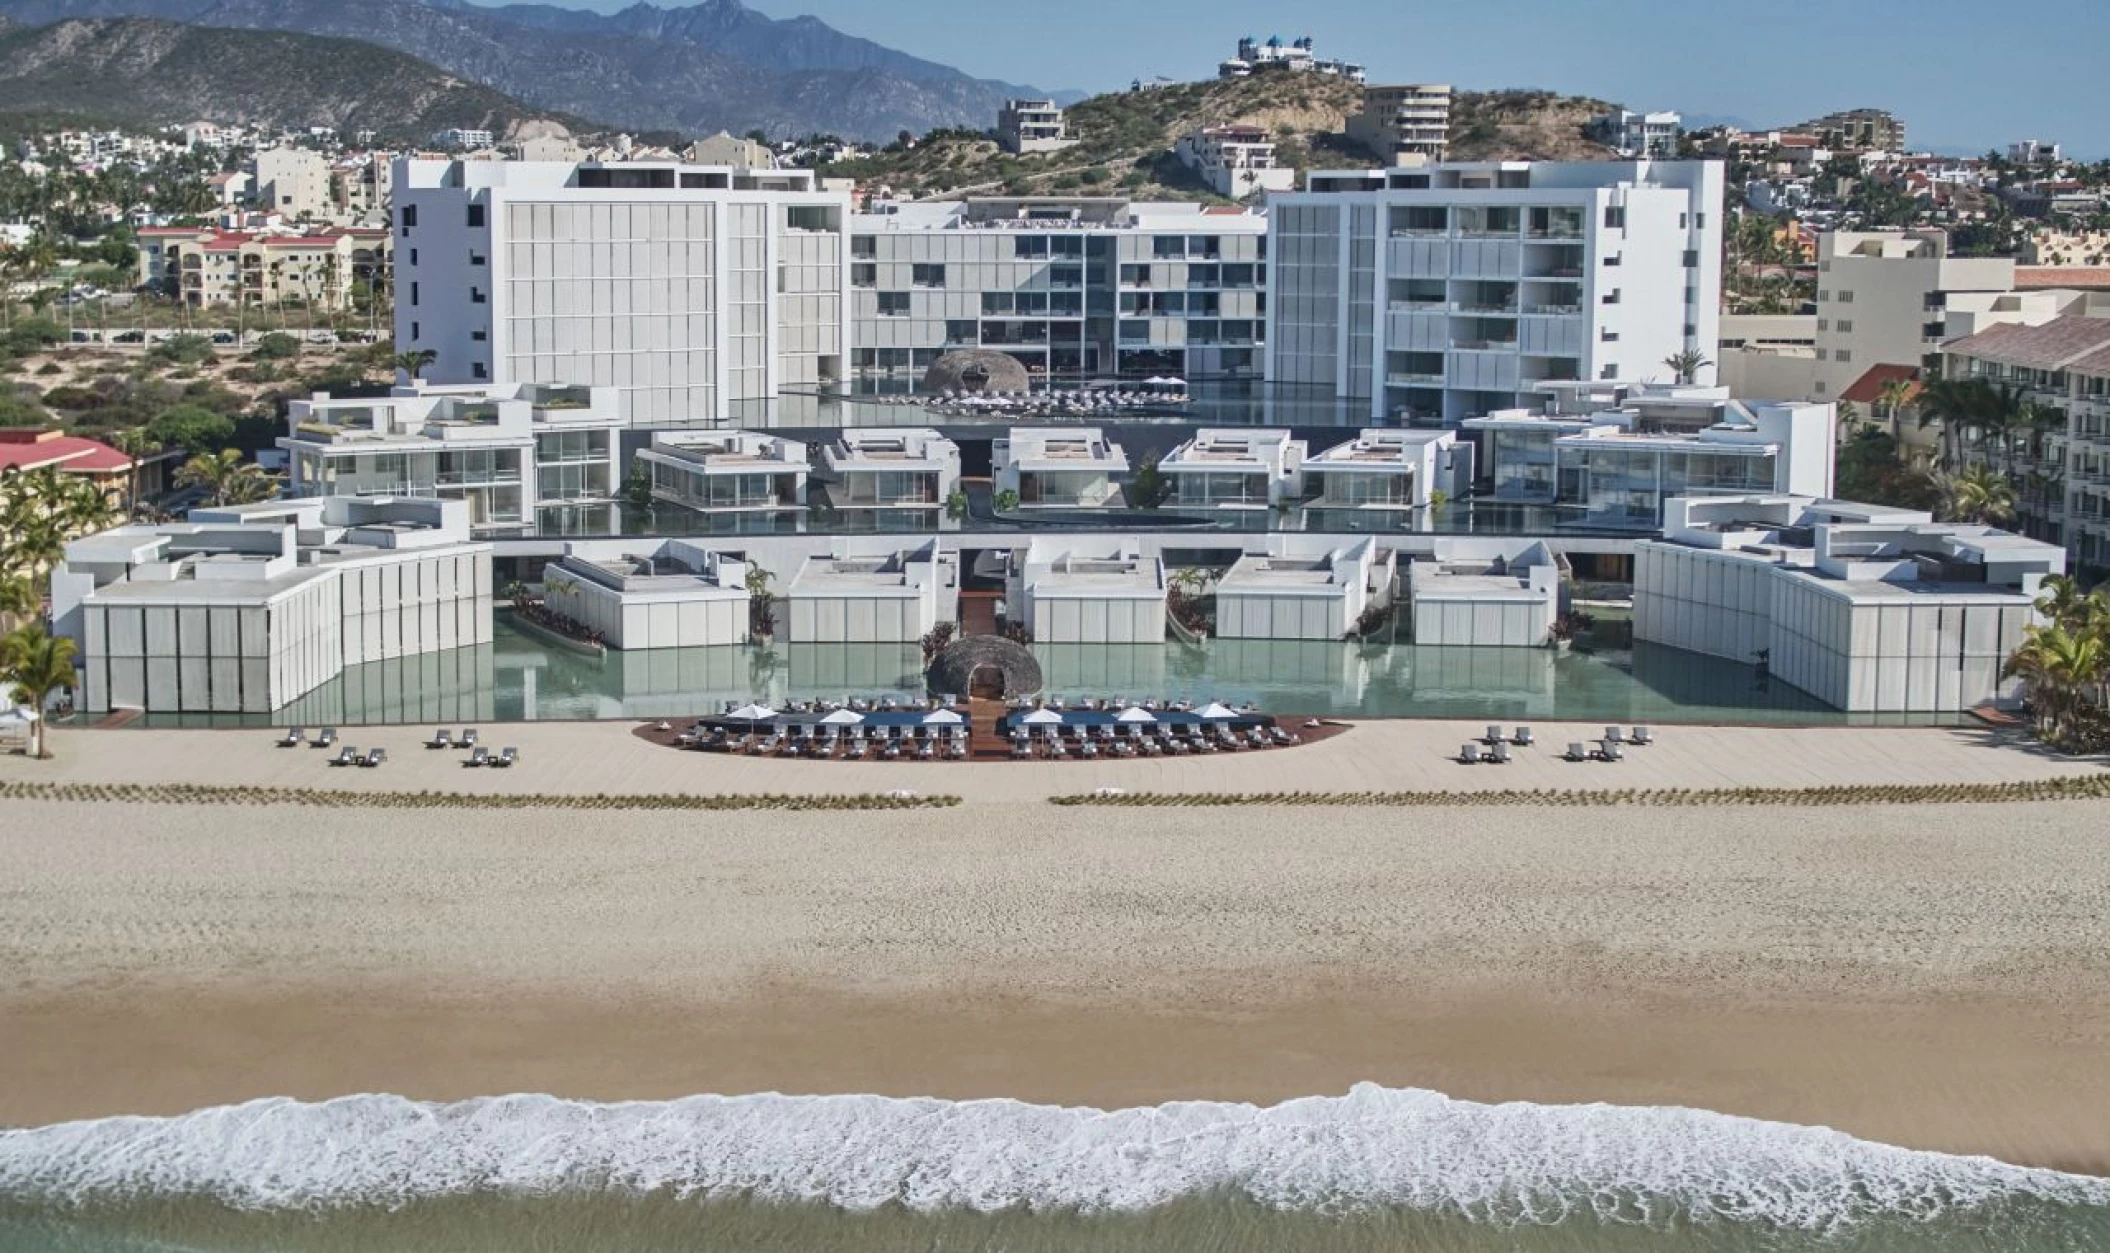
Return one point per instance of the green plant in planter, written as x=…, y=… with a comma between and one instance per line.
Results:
x=956, y=504
x=1007, y=501
x=761, y=601
x=638, y=491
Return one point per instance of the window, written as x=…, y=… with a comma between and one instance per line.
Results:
x=1615, y=217
x=1846, y=297
x=410, y=217
x=479, y=336
x=476, y=216
x=1692, y=258
x=928, y=274
x=477, y=258
x=1612, y=259
x=1824, y=354
x=413, y=330
x=1844, y=355
x=1691, y=329
x=477, y=297
x=893, y=304
x=1612, y=297
x=480, y=370
x=1846, y=326
x=413, y=293
x=961, y=331
x=864, y=246
x=997, y=302
x=413, y=256
x=1682, y=217
x=1610, y=371
x=864, y=274
x=1608, y=335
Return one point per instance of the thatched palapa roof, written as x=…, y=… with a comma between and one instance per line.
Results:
x=976, y=370
x=953, y=670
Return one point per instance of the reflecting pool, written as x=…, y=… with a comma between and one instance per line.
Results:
x=521, y=678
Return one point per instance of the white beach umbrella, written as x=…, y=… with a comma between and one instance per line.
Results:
x=1215, y=710
x=843, y=718
x=752, y=713
x=19, y=716
x=1173, y=382
x=942, y=718
x=1042, y=718
x=1136, y=713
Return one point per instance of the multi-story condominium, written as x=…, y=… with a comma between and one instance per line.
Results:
x=730, y=150
x=890, y=478
x=1235, y=161
x=1067, y=286
x=365, y=184
x=1856, y=130
x=2061, y=471
x=240, y=610
x=203, y=266
x=1028, y=126
x=466, y=140
x=1868, y=608
x=741, y=481
x=294, y=182
x=2034, y=152
x=1405, y=125
x=1295, y=55
x=695, y=291
x=1883, y=296
x=1617, y=464
x=1058, y=467
x=1235, y=468
x=1432, y=294
x=1649, y=135
x=519, y=454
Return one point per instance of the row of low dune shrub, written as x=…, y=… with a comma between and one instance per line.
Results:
x=331, y=798
x=2078, y=787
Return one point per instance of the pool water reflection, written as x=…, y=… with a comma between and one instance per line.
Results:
x=519, y=678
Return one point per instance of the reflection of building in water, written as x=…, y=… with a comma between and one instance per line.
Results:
x=459, y=685
x=1457, y=681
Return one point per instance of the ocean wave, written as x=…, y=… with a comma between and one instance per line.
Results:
x=1513, y=1163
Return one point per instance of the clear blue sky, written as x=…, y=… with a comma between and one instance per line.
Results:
x=1962, y=73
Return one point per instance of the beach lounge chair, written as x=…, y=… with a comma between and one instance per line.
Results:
x=442, y=738
x=506, y=757
x=1523, y=737
x=478, y=756
x=468, y=739
x=293, y=738
x=1613, y=750
x=374, y=757
x=1579, y=751
x=857, y=751
x=1644, y=736
x=327, y=738
x=1614, y=735
x=928, y=751
x=1499, y=754
x=346, y=756
x=1469, y=754
x=893, y=750
x=1494, y=736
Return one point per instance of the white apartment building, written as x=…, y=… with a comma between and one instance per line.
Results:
x=891, y=478
x=520, y=455
x=1235, y=161
x=1616, y=463
x=1088, y=590
x=1235, y=468
x=1274, y=596
x=1058, y=467
x=668, y=594
x=1436, y=293
x=1388, y=470
x=739, y=481
x=466, y=139
x=1883, y=297
x=294, y=182
x=241, y=610
x=201, y=266
x=1405, y=125
x=695, y=291
x=1868, y=608
x=1030, y=126
x=1294, y=55
x=861, y=594
x=2061, y=476
x=1653, y=136
x=1067, y=285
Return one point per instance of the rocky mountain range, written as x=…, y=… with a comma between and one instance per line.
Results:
x=716, y=65
x=143, y=71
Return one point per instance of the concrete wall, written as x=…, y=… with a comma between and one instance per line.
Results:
x=661, y=620
x=1089, y=619
x=1261, y=615
x=1506, y=622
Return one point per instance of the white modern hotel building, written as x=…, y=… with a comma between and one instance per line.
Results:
x=1438, y=293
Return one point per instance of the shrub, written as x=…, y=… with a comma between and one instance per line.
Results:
x=277, y=346
x=333, y=798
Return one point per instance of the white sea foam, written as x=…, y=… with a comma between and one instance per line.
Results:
x=1374, y=1146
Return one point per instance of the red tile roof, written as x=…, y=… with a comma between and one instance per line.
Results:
x=2039, y=277
x=1868, y=389
x=2052, y=346
x=29, y=449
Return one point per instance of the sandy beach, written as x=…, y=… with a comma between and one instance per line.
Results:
x=1935, y=976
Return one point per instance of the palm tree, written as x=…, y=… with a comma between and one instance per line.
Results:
x=1687, y=364
x=35, y=664
x=18, y=596
x=414, y=361
x=1978, y=494
x=136, y=444
x=228, y=479
x=2065, y=669
x=1892, y=400
x=1954, y=405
